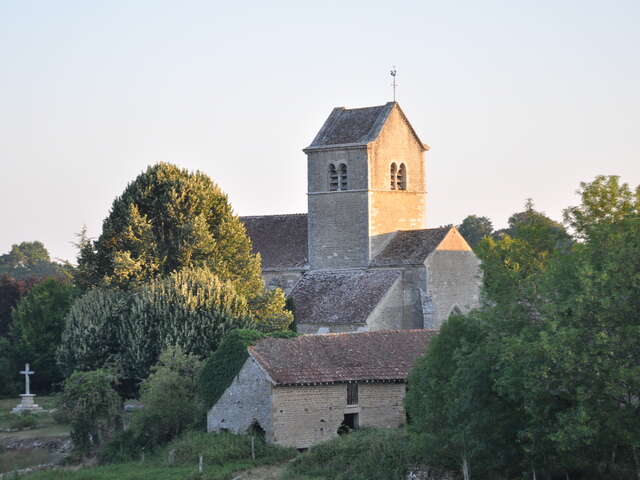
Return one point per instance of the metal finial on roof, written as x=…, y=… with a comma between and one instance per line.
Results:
x=394, y=84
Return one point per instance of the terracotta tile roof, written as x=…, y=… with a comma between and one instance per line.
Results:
x=410, y=246
x=341, y=357
x=355, y=126
x=281, y=240
x=340, y=296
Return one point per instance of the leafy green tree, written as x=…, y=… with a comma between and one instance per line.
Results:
x=603, y=201
x=474, y=229
x=169, y=398
x=448, y=387
x=538, y=230
x=30, y=260
x=168, y=219
x=11, y=291
x=25, y=254
x=93, y=408
x=38, y=321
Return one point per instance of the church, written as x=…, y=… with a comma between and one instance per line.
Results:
x=361, y=259
x=369, y=285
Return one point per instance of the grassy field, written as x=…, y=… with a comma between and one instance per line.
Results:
x=45, y=425
x=224, y=455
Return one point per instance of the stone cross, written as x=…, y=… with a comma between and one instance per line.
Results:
x=26, y=372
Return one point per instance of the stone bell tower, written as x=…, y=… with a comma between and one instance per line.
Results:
x=366, y=181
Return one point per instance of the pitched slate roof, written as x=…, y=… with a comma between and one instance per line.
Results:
x=341, y=357
x=355, y=126
x=410, y=246
x=340, y=296
x=281, y=240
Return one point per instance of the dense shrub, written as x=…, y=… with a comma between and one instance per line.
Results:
x=221, y=448
x=368, y=454
x=190, y=309
x=169, y=399
x=22, y=421
x=224, y=364
x=93, y=408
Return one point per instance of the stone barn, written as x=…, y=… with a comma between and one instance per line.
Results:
x=305, y=390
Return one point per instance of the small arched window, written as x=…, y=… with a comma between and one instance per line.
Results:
x=333, y=178
x=401, y=179
x=343, y=177
x=394, y=173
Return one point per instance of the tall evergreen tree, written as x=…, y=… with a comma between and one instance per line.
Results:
x=168, y=219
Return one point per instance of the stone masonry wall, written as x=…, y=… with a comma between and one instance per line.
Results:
x=453, y=280
x=381, y=405
x=306, y=415
x=248, y=399
x=392, y=210
x=338, y=229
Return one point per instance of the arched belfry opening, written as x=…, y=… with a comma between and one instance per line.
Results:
x=343, y=177
x=401, y=178
x=393, y=173
x=333, y=178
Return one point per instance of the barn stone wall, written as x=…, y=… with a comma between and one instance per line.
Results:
x=306, y=415
x=247, y=399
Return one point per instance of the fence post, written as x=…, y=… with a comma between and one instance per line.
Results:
x=200, y=464
x=253, y=447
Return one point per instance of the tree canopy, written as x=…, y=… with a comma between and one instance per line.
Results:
x=191, y=309
x=474, y=228
x=168, y=219
x=552, y=359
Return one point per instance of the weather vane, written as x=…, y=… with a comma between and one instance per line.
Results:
x=394, y=84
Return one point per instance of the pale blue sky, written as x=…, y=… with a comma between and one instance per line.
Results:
x=516, y=98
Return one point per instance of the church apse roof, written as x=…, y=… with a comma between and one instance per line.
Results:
x=342, y=357
x=354, y=126
x=411, y=247
x=281, y=240
x=340, y=296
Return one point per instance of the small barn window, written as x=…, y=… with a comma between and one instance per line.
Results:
x=393, y=173
x=401, y=179
x=352, y=394
x=333, y=178
x=343, y=177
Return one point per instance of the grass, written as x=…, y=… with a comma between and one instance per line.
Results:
x=224, y=454
x=368, y=454
x=45, y=424
x=16, y=459
x=144, y=471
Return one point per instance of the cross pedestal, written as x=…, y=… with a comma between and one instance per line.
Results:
x=27, y=399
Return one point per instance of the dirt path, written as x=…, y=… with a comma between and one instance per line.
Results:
x=272, y=472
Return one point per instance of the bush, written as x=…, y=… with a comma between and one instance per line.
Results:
x=22, y=421
x=367, y=454
x=169, y=399
x=221, y=448
x=93, y=408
